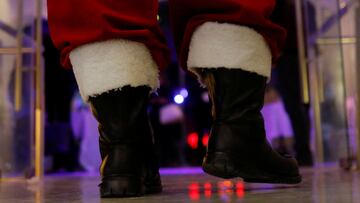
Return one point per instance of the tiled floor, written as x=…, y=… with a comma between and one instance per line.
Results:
x=191, y=185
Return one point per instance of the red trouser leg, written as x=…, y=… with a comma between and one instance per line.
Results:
x=110, y=43
x=188, y=15
x=226, y=33
x=75, y=23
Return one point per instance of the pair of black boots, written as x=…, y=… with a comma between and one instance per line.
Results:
x=237, y=145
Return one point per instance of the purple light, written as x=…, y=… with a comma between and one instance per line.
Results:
x=179, y=99
x=184, y=93
x=181, y=171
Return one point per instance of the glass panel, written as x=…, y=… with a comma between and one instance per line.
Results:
x=325, y=54
x=17, y=132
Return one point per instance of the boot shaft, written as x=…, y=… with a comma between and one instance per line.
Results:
x=237, y=97
x=126, y=138
x=122, y=115
x=235, y=93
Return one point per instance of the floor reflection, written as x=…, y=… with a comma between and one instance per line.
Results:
x=191, y=185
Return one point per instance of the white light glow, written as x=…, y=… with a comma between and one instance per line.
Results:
x=179, y=99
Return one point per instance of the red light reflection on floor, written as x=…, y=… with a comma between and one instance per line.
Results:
x=208, y=193
x=240, y=190
x=207, y=186
x=207, y=190
x=194, y=191
x=225, y=190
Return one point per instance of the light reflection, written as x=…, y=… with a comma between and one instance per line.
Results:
x=36, y=187
x=207, y=186
x=240, y=190
x=225, y=190
x=208, y=193
x=194, y=191
x=226, y=195
x=207, y=190
x=228, y=184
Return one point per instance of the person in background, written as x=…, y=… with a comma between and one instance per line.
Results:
x=84, y=128
x=277, y=123
x=60, y=86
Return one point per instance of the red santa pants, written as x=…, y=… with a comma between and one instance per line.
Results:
x=112, y=43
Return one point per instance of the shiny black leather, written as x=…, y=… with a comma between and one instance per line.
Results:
x=237, y=145
x=130, y=166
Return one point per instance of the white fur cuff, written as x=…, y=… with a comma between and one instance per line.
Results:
x=216, y=45
x=103, y=66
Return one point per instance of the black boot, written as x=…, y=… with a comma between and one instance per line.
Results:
x=237, y=145
x=130, y=166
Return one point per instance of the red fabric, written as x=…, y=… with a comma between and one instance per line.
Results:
x=74, y=23
x=77, y=22
x=188, y=14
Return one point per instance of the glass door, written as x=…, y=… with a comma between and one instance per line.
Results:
x=329, y=66
x=21, y=130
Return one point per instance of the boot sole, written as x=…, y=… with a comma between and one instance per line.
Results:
x=126, y=187
x=220, y=165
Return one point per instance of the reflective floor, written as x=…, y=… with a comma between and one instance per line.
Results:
x=191, y=185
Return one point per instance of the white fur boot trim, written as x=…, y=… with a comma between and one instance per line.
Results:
x=103, y=66
x=224, y=45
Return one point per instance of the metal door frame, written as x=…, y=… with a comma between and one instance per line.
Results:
x=357, y=41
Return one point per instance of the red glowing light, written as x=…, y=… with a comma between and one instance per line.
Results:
x=194, y=186
x=240, y=189
x=194, y=195
x=240, y=185
x=193, y=140
x=194, y=191
x=205, y=139
x=207, y=186
x=240, y=193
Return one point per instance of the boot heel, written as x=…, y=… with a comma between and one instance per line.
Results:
x=122, y=187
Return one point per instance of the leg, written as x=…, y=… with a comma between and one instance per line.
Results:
x=230, y=46
x=115, y=49
x=73, y=24
x=288, y=84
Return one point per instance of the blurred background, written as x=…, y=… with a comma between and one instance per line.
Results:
x=311, y=104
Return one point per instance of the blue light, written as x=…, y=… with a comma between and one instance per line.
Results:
x=179, y=99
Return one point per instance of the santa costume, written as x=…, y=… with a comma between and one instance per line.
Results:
x=116, y=49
